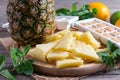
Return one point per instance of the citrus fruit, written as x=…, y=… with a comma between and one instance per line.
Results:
x=115, y=18
x=103, y=11
x=117, y=23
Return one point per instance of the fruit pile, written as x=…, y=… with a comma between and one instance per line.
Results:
x=67, y=49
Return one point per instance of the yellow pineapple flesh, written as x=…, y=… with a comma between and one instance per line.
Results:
x=69, y=63
x=57, y=55
x=66, y=42
x=41, y=51
x=85, y=51
x=88, y=38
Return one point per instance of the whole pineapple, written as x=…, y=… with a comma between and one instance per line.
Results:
x=30, y=20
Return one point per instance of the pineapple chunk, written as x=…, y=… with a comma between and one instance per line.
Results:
x=88, y=38
x=31, y=52
x=66, y=42
x=85, y=51
x=57, y=55
x=53, y=37
x=57, y=35
x=64, y=32
x=41, y=51
x=102, y=50
x=69, y=63
x=77, y=34
x=72, y=56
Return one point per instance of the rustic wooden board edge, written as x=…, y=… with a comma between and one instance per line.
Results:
x=50, y=69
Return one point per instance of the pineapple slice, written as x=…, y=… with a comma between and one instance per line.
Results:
x=31, y=52
x=66, y=42
x=41, y=50
x=57, y=55
x=69, y=63
x=72, y=56
x=53, y=37
x=88, y=38
x=57, y=35
x=77, y=34
x=85, y=51
x=64, y=32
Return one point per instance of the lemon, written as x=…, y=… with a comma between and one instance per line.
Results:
x=115, y=18
x=103, y=11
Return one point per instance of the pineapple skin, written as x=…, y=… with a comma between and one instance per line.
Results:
x=30, y=20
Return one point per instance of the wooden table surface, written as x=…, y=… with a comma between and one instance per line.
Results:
x=110, y=75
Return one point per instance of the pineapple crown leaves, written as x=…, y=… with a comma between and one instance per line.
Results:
x=111, y=55
x=84, y=12
x=20, y=64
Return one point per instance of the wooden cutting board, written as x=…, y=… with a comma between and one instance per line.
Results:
x=50, y=69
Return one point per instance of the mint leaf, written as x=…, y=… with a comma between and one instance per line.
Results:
x=111, y=46
x=103, y=56
x=94, y=10
x=110, y=61
x=25, y=67
x=2, y=61
x=107, y=58
x=63, y=11
x=116, y=52
x=13, y=56
x=26, y=49
x=7, y=74
x=74, y=7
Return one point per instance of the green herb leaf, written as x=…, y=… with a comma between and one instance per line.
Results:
x=74, y=7
x=85, y=7
x=7, y=74
x=13, y=56
x=2, y=61
x=62, y=11
x=107, y=58
x=94, y=10
x=25, y=67
x=80, y=13
x=26, y=49
x=103, y=56
x=111, y=46
x=83, y=13
x=116, y=52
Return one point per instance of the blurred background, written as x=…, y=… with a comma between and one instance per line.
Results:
x=113, y=5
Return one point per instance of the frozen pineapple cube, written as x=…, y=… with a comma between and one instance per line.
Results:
x=66, y=42
x=57, y=55
x=85, y=51
x=69, y=63
x=88, y=38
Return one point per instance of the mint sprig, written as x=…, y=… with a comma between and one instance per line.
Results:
x=21, y=65
x=111, y=56
x=83, y=12
x=5, y=72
